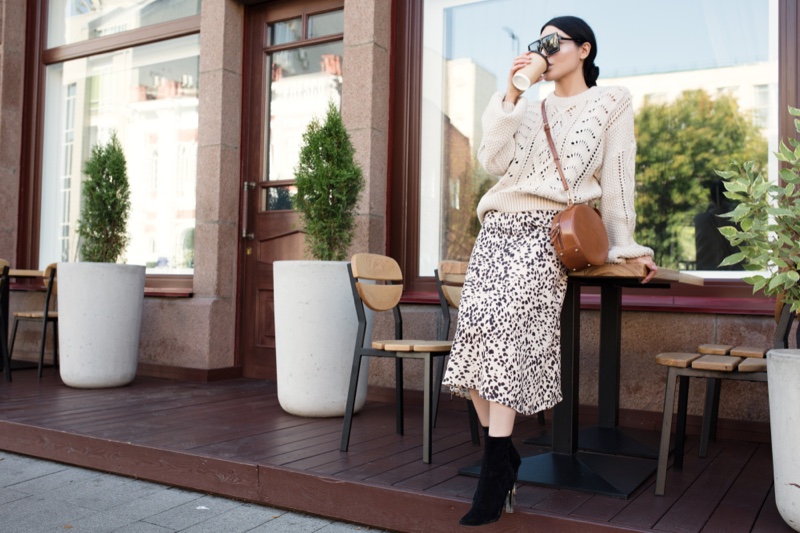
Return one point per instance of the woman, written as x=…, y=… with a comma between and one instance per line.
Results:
x=506, y=352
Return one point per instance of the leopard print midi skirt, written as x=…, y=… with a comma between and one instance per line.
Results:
x=507, y=343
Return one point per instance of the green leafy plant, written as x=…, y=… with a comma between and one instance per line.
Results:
x=106, y=204
x=768, y=216
x=329, y=182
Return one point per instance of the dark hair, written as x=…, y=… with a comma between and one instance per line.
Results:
x=582, y=33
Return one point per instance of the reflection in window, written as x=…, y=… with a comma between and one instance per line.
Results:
x=149, y=95
x=71, y=21
x=324, y=24
x=700, y=102
x=278, y=198
x=284, y=32
x=303, y=81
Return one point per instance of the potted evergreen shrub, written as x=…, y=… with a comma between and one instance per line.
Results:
x=315, y=323
x=769, y=243
x=100, y=301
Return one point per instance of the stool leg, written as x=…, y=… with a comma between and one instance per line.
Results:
x=680, y=431
x=666, y=428
x=710, y=412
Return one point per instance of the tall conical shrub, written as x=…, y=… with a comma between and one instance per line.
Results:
x=106, y=204
x=329, y=182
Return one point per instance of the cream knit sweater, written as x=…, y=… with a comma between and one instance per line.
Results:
x=593, y=133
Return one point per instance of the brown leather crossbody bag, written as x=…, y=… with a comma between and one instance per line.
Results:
x=577, y=232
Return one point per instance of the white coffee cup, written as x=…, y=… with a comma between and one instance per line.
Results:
x=530, y=74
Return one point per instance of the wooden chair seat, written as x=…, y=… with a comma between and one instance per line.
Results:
x=35, y=315
x=714, y=349
x=720, y=363
x=748, y=351
x=676, y=359
x=752, y=364
x=413, y=346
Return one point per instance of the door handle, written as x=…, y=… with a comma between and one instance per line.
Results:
x=247, y=186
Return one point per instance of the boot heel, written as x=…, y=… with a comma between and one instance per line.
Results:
x=511, y=499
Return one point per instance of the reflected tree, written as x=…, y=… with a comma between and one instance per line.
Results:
x=679, y=146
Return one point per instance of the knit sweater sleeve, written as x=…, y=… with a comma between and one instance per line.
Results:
x=500, y=122
x=617, y=179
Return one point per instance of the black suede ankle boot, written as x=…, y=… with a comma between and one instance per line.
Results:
x=516, y=461
x=496, y=485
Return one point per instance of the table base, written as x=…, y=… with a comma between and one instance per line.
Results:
x=609, y=475
x=616, y=441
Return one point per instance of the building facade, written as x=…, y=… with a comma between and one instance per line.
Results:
x=210, y=99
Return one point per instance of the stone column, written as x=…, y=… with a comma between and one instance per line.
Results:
x=200, y=332
x=12, y=65
x=365, y=111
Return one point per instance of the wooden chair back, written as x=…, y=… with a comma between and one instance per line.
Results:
x=385, y=294
x=451, y=276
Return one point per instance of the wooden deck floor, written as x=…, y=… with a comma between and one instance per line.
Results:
x=232, y=438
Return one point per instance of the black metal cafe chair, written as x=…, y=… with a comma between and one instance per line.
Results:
x=383, y=294
x=47, y=316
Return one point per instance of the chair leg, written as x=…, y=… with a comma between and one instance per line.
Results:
x=13, y=339
x=428, y=415
x=41, y=348
x=55, y=344
x=710, y=412
x=398, y=395
x=680, y=431
x=474, y=424
x=437, y=386
x=351, y=402
x=4, y=349
x=666, y=429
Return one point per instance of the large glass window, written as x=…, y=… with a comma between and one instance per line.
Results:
x=704, y=78
x=149, y=95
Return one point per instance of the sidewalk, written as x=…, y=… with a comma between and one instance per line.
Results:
x=41, y=496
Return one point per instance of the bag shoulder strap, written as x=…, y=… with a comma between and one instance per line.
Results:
x=555, y=154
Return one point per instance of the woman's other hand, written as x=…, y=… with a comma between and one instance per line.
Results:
x=647, y=261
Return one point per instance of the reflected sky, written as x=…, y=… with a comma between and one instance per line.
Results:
x=634, y=37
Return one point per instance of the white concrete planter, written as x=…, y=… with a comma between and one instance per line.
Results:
x=315, y=331
x=100, y=318
x=783, y=375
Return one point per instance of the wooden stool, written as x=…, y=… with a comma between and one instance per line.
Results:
x=713, y=362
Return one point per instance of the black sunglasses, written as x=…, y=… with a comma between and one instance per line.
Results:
x=550, y=44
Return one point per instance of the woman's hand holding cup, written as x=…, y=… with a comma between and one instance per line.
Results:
x=527, y=69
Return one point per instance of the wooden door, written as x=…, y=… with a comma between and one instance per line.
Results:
x=293, y=59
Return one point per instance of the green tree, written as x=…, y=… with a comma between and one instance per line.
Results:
x=106, y=204
x=680, y=145
x=329, y=182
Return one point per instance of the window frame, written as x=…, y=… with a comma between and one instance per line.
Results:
x=721, y=296
x=39, y=58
